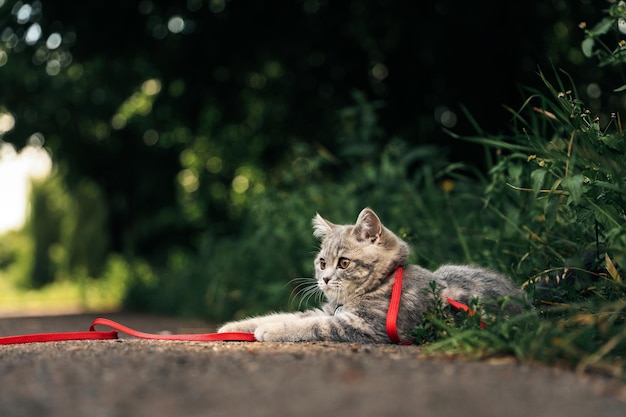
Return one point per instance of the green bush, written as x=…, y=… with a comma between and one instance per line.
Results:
x=558, y=185
x=557, y=188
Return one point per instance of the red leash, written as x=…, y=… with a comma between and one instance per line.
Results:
x=57, y=337
x=202, y=337
x=92, y=334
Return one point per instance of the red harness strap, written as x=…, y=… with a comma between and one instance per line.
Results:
x=394, y=308
x=459, y=306
x=92, y=334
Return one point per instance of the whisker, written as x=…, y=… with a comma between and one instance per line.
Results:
x=308, y=293
x=305, y=288
x=301, y=282
x=298, y=280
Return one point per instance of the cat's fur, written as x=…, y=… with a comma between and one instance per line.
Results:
x=355, y=271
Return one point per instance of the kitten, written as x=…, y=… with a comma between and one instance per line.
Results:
x=355, y=271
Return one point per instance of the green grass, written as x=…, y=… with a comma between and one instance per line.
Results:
x=554, y=201
x=554, y=204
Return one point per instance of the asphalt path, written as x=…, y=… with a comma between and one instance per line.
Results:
x=132, y=377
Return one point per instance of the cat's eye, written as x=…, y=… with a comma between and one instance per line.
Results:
x=322, y=264
x=343, y=263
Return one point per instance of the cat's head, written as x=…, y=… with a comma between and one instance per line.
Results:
x=355, y=259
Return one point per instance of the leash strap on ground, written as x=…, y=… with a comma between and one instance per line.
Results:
x=201, y=337
x=57, y=337
x=93, y=334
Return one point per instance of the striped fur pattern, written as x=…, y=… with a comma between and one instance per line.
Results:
x=354, y=270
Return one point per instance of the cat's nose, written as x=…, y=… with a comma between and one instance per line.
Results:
x=326, y=279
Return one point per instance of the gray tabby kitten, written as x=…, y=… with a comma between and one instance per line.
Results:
x=355, y=271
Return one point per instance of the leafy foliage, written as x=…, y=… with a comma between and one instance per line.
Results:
x=559, y=182
x=608, y=52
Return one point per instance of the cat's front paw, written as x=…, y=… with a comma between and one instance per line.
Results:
x=237, y=326
x=270, y=333
x=278, y=332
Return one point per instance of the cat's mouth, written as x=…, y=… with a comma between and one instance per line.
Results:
x=333, y=292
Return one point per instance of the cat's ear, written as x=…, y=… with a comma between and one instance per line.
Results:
x=368, y=226
x=321, y=227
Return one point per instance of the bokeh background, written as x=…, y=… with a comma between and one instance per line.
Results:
x=174, y=152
